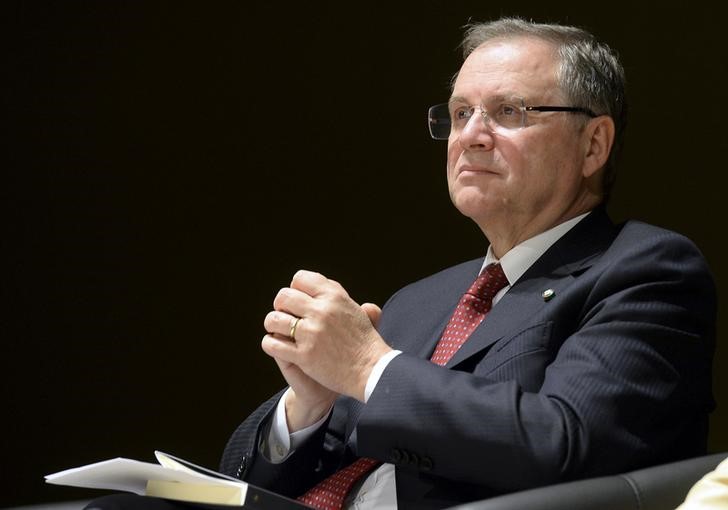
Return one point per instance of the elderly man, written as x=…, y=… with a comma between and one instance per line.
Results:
x=574, y=348
x=595, y=357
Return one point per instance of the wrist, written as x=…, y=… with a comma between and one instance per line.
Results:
x=301, y=414
x=380, y=351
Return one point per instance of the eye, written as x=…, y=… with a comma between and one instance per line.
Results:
x=462, y=113
x=508, y=110
x=508, y=115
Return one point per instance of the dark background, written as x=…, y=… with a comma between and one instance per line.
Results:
x=170, y=165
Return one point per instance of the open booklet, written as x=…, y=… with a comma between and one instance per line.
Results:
x=172, y=478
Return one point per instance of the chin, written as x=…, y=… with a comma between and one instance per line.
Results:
x=472, y=204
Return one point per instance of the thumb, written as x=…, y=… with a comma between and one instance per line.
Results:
x=373, y=312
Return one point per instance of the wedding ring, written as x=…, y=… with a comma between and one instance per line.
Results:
x=292, y=333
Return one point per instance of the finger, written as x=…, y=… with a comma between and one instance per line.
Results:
x=373, y=312
x=294, y=376
x=280, y=348
x=313, y=283
x=293, y=302
x=279, y=323
x=285, y=366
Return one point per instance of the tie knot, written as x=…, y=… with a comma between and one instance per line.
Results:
x=489, y=282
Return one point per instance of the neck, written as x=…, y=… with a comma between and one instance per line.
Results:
x=503, y=236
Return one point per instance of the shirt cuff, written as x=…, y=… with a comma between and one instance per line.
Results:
x=377, y=372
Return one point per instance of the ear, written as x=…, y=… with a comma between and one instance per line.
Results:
x=598, y=140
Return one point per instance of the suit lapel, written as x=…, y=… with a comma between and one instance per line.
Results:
x=555, y=269
x=435, y=313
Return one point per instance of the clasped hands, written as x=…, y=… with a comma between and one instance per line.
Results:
x=335, y=348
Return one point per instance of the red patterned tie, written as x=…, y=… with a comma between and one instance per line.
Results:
x=330, y=493
x=470, y=312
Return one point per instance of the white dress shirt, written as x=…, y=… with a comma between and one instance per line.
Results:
x=378, y=489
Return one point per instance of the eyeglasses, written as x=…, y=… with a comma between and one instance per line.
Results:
x=502, y=116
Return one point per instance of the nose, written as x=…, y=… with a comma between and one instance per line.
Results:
x=477, y=135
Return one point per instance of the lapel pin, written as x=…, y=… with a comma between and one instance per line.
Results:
x=548, y=294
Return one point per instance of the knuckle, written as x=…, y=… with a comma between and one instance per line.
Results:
x=269, y=320
x=300, y=275
x=296, y=277
x=314, y=328
x=283, y=319
x=281, y=298
x=338, y=293
x=324, y=310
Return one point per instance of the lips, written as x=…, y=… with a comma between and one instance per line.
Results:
x=475, y=170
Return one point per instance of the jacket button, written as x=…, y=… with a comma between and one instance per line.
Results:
x=395, y=455
x=426, y=464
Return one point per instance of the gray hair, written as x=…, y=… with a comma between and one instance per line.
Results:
x=590, y=73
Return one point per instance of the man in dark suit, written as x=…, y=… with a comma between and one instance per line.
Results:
x=595, y=357
x=574, y=348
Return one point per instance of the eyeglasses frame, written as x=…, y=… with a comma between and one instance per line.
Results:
x=484, y=113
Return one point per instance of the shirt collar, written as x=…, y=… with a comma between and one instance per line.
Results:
x=522, y=256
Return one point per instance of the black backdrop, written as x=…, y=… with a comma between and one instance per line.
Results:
x=170, y=165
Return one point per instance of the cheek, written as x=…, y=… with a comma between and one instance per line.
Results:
x=453, y=154
x=542, y=178
x=529, y=161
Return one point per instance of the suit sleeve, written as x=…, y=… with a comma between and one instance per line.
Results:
x=624, y=382
x=312, y=461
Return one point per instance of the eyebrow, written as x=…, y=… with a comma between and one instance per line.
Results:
x=457, y=99
x=497, y=97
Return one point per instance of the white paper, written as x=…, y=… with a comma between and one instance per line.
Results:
x=172, y=462
x=129, y=476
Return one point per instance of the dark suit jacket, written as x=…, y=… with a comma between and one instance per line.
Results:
x=612, y=373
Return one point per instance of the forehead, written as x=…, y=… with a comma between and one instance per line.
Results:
x=505, y=67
